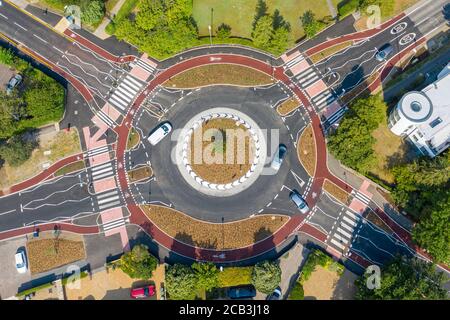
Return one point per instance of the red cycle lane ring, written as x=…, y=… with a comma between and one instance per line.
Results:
x=139, y=217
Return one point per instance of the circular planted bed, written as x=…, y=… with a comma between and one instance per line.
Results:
x=221, y=152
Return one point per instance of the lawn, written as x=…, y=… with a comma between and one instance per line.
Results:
x=389, y=150
x=306, y=150
x=47, y=254
x=333, y=189
x=72, y=167
x=140, y=174
x=330, y=51
x=218, y=74
x=214, y=235
x=133, y=139
x=239, y=14
x=52, y=147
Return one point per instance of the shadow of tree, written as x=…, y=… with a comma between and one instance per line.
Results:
x=262, y=234
x=261, y=10
x=187, y=239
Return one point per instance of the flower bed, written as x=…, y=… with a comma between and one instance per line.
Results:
x=306, y=150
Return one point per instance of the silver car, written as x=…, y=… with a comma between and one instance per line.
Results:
x=299, y=202
x=278, y=157
x=13, y=82
x=384, y=52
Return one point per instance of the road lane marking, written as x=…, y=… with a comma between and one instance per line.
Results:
x=6, y=212
x=339, y=245
x=3, y=16
x=20, y=26
x=44, y=41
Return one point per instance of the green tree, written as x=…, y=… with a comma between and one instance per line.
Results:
x=17, y=150
x=207, y=275
x=297, y=292
x=310, y=24
x=11, y=108
x=93, y=12
x=404, y=279
x=223, y=31
x=266, y=276
x=181, y=282
x=6, y=56
x=138, y=263
x=281, y=40
x=352, y=143
x=263, y=32
x=433, y=231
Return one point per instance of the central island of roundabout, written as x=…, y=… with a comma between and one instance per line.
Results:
x=212, y=194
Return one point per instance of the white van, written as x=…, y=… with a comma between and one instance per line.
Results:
x=157, y=134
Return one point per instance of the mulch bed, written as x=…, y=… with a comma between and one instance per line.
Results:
x=288, y=106
x=340, y=194
x=218, y=74
x=306, y=150
x=212, y=150
x=140, y=174
x=47, y=254
x=214, y=235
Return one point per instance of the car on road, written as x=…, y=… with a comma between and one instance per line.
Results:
x=446, y=12
x=384, y=51
x=158, y=133
x=143, y=292
x=275, y=295
x=278, y=157
x=241, y=292
x=299, y=201
x=21, y=261
x=13, y=82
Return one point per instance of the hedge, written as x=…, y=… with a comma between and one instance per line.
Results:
x=315, y=258
x=297, y=292
x=347, y=8
x=235, y=276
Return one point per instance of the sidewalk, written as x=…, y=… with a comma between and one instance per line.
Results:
x=100, y=31
x=356, y=180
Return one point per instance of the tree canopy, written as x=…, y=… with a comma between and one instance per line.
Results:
x=181, y=282
x=207, y=275
x=93, y=12
x=138, y=263
x=17, y=150
x=404, y=279
x=352, y=143
x=266, y=276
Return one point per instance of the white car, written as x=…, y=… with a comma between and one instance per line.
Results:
x=299, y=202
x=278, y=157
x=21, y=261
x=157, y=134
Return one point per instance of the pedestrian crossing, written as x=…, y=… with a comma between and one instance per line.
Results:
x=96, y=151
x=114, y=224
x=342, y=237
x=108, y=199
x=334, y=118
x=290, y=64
x=127, y=90
x=361, y=197
x=144, y=65
x=102, y=171
x=323, y=99
x=306, y=78
x=104, y=117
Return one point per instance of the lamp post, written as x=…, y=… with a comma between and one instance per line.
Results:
x=210, y=34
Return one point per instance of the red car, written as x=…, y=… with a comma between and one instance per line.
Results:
x=143, y=292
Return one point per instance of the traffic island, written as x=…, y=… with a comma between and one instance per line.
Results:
x=288, y=106
x=218, y=236
x=306, y=150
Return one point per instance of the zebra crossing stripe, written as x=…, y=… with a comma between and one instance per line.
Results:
x=113, y=224
x=345, y=233
x=107, y=194
x=336, y=116
x=351, y=214
x=100, y=166
x=125, y=95
x=294, y=61
x=118, y=103
x=145, y=66
x=345, y=226
x=133, y=80
x=109, y=205
x=108, y=199
x=131, y=84
x=338, y=244
x=311, y=81
x=364, y=199
x=107, y=120
x=344, y=240
x=96, y=151
x=302, y=77
x=350, y=222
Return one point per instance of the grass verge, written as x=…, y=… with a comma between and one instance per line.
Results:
x=133, y=139
x=306, y=150
x=330, y=51
x=140, y=174
x=218, y=74
x=72, y=167
x=214, y=235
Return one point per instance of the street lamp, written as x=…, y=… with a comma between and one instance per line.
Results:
x=210, y=34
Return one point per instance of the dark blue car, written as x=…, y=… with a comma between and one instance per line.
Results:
x=241, y=292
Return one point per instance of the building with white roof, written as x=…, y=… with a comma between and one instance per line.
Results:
x=423, y=117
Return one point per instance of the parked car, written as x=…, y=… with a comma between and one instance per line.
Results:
x=384, y=51
x=143, y=292
x=241, y=292
x=278, y=157
x=13, y=82
x=275, y=295
x=21, y=261
x=157, y=134
x=299, y=201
